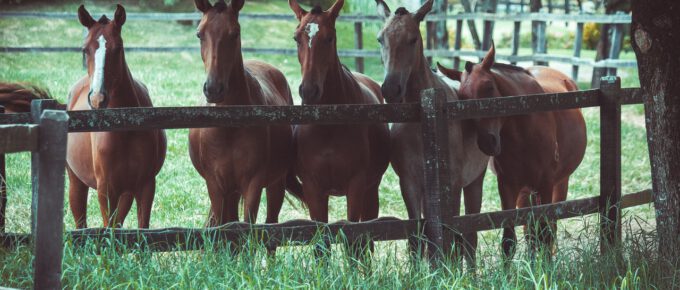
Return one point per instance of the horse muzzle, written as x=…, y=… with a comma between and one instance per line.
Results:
x=310, y=93
x=392, y=90
x=97, y=100
x=213, y=91
x=489, y=144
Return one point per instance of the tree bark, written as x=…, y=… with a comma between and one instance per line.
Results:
x=655, y=37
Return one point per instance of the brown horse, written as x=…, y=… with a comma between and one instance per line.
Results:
x=336, y=159
x=533, y=154
x=407, y=74
x=239, y=162
x=17, y=97
x=119, y=165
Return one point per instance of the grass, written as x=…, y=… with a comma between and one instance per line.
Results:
x=181, y=198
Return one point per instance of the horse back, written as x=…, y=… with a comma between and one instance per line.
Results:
x=370, y=89
x=275, y=89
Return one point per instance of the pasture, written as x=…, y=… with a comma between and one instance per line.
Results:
x=181, y=198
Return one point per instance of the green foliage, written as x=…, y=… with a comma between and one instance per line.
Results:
x=591, y=34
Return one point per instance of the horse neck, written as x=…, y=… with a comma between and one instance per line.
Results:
x=340, y=86
x=122, y=92
x=241, y=86
x=421, y=78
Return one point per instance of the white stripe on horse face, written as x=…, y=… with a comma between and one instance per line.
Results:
x=311, y=29
x=99, y=60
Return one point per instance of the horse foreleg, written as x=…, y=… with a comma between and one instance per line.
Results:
x=123, y=208
x=473, y=205
x=275, y=196
x=108, y=203
x=77, y=197
x=508, y=195
x=412, y=193
x=559, y=194
x=251, y=202
x=317, y=201
x=144, y=204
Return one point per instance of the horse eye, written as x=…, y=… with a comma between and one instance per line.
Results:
x=199, y=35
x=380, y=40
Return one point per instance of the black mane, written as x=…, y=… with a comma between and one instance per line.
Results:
x=103, y=20
x=316, y=10
x=220, y=6
x=401, y=11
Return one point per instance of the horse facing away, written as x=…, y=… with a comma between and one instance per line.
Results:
x=533, y=154
x=119, y=165
x=239, y=162
x=407, y=74
x=17, y=97
x=336, y=159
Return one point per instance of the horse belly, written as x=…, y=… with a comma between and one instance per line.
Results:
x=127, y=160
x=79, y=158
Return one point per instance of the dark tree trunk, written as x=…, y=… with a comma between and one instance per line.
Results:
x=471, y=25
x=655, y=37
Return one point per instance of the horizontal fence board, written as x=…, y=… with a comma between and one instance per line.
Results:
x=520, y=105
x=187, y=117
x=303, y=231
x=18, y=138
x=614, y=18
x=19, y=118
x=610, y=63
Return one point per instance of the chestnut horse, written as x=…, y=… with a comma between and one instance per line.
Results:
x=533, y=154
x=17, y=97
x=407, y=74
x=336, y=159
x=119, y=165
x=239, y=162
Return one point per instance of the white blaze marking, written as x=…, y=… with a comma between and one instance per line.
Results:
x=311, y=29
x=98, y=75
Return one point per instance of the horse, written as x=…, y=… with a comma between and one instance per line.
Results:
x=17, y=97
x=119, y=165
x=534, y=154
x=407, y=74
x=339, y=160
x=240, y=162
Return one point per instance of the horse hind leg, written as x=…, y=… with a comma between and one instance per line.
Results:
x=559, y=194
x=412, y=194
x=77, y=197
x=144, y=201
x=275, y=196
x=473, y=205
x=124, y=205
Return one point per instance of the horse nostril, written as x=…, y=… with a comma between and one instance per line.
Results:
x=309, y=93
x=205, y=89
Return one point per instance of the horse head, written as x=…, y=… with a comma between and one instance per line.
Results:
x=103, y=49
x=220, y=36
x=316, y=45
x=478, y=82
x=401, y=47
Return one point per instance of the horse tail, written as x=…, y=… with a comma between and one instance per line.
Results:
x=293, y=185
x=17, y=97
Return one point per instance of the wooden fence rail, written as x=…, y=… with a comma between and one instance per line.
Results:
x=433, y=112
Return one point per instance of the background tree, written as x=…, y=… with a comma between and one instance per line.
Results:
x=655, y=35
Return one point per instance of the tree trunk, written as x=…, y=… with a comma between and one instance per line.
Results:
x=655, y=38
x=471, y=25
x=535, y=6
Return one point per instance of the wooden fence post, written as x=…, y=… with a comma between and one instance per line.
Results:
x=437, y=177
x=540, y=45
x=3, y=187
x=610, y=162
x=37, y=107
x=457, y=43
x=578, y=42
x=359, y=45
x=515, y=39
x=49, y=202
x=615, y=46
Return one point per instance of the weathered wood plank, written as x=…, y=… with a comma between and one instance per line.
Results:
x=37, y=108
x=610, y=163
x=18, y=138
x=578, y=42
x=48, y=232
x=3, y=186
x=515, y=39
x=507, y=106
x=195, y=117
x=457, y=43
x=21, y=118
x=437, y=176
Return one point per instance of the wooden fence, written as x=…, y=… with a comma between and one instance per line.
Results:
x=539, y=53
x=440, y=226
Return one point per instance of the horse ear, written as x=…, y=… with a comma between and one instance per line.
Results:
x=85, y=17
x=423, y=10
x=449, y=72
x=383, y=9
x=299, y=11
x=490, y=57
x=119, y=16
x=237, y=4
x=335, y=9
x=202, y=5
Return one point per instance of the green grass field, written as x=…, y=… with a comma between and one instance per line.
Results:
x=175, y=79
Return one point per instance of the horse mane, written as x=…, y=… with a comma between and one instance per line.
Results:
x=104, y=20
x=316, y=10
x=401, y=11
x=220, y=6
x=17, y=97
